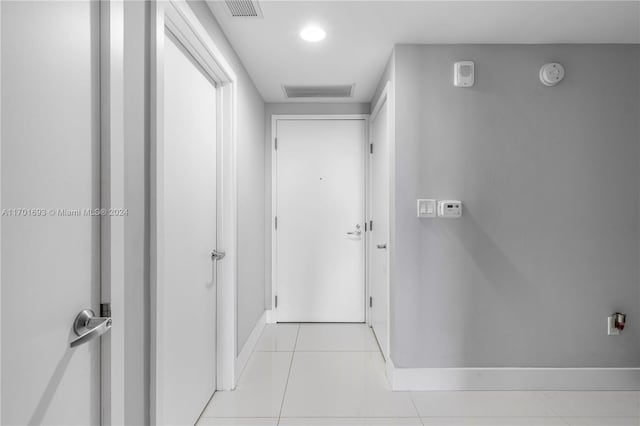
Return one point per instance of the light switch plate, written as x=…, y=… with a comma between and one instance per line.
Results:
x=427, y=208
x=611, y=327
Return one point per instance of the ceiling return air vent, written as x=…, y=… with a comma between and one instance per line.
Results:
x=244, y=8
x=339, y=91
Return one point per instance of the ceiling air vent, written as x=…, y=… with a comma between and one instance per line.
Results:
x=244, y=8
x=340, y=91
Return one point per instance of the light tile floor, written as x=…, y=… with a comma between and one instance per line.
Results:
x=333, y=375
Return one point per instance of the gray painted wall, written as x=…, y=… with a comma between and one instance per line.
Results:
x=548, y=243
x=250, y=171
x=291, y=108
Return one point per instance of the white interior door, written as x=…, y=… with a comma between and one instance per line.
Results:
x=379, y=238
x=320, y=250
x=50, y=174
x=186, y=319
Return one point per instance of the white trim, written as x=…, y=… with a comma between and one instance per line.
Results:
x=1, y=210
x=474, y=379
x=276, y=117
x=273, y=316
x=274, y=210
x=392, y=203
x=385, y=97
x=228, y=240
x=156, y=257
x=177, y=17
x=112, y=194
x=250, y=345
x=270, y=316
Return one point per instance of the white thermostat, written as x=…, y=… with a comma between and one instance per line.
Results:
x=426, y=208
x=450, y=208
x=463, y=72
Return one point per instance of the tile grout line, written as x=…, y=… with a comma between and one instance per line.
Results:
x=284, y=394
x=415, y=407
x=295, y=344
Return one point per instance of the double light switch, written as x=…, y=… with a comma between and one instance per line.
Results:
x=429, y=208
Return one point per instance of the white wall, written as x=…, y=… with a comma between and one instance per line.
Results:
x=292, y=108
x=548, y=243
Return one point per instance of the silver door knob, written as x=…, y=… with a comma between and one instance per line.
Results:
x=381, y=246
x=87, y=327
x=217, y=255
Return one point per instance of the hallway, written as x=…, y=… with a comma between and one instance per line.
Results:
x=333, y=375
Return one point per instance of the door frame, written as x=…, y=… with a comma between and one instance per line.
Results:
x=112, y=195
x=274, y=197
x=112, y=254
x=177, y=17
x=385, y=97
x=1, y=210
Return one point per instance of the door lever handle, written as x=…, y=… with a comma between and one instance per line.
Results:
x=87, y=327
x=381, y=246
x=217, y=255
x=357, y=232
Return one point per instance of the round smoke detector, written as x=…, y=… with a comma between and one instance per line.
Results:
x=551, y=74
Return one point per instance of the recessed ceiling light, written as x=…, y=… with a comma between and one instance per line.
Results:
x=312, y=33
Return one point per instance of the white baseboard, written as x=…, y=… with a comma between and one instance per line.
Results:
x=249, y=346
x=271, y=317
x=435, y=379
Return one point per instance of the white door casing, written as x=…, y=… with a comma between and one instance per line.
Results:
x=319, y=203
x=177, y=18
x=113, y=248
x=379, y=240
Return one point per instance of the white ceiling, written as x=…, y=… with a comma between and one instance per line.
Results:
x=361, y=34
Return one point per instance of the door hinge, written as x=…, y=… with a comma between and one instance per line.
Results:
x=370, y=225
x=275, y=222
x=276, y=144
x=370, y=302
x=105, y=310
x=370, y=148
x=275, y=302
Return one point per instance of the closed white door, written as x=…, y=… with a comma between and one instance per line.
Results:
x=319, y=192
x=379, y=240
x=50, y=175
x=187, y=311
